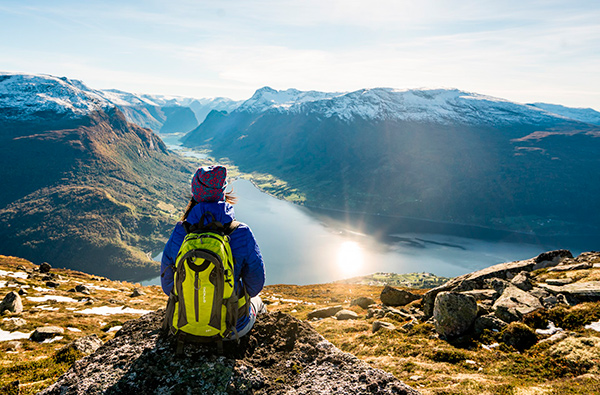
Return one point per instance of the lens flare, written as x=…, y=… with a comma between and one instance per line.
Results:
x=350, y=258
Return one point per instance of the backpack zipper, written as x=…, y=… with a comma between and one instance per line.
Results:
x=196, y=301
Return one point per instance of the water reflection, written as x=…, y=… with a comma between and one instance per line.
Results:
x=350, y=259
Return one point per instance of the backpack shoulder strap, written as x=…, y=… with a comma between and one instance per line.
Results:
x=230, y=227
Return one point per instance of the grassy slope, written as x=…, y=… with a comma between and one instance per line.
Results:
x=100, y=196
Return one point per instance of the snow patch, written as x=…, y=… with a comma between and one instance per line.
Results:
x=108, y=310
x=56, y=298
x=21, y=275
x=594, y=326
x=6, y=336
x=52, y=340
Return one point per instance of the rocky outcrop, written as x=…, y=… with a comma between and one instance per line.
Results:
x=507, y=293
x=577, y=292
x=504, y=271
x=514, y=303
x=281, y=355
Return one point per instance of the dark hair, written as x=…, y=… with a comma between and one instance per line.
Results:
x=229, y=198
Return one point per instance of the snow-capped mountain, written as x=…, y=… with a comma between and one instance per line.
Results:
x=443, y=106
x=587, y=115
x=267, y=98
x=440, y=154
x=22, y=96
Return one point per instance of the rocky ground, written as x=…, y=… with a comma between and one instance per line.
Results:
x=522, y=327
x=282, y=355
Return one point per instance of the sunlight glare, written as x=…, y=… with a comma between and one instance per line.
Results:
x=350, y=258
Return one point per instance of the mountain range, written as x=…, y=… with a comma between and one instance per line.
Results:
x=82, y=187
x=436, y=154
x=87, y=185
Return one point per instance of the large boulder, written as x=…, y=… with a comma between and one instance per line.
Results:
x=12, y=302
x=514, y=303
x=454, y=313
x=397, y=297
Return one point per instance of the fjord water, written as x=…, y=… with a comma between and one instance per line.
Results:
x=307, y=246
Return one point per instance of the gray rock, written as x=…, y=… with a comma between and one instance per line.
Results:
x=343, y=315
x=12, y=302
x=325, y=312
x=580, y=291
x=84, y=289
x=575, y=266
x=409, y=325
x=454, y=313
x=550, y=301
x=87, y=345
x=377, y=325
x=52, y=284
x=45, y=267
x=363, y=302
x=137, y=292
x=539, y=293
x=46, y=332
x=490, y=322
x=397, y=297
x=551, y=258
x=23, y=291
x=514, y=303
x=559, y=281
x=522, y=281
x=373, y=312
x=482, y=294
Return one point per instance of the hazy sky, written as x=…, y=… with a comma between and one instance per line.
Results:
x=525, y=50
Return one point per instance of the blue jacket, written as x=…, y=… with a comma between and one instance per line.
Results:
x=249, y=267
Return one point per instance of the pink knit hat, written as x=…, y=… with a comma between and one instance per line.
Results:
x=208, y=184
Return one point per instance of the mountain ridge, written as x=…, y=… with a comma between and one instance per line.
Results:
x=453, y=164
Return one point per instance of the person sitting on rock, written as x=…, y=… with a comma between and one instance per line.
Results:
x=208, y=195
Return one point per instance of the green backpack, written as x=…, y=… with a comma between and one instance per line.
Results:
x=203, y=305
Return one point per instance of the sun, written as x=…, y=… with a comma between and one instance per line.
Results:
x=350, y=258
